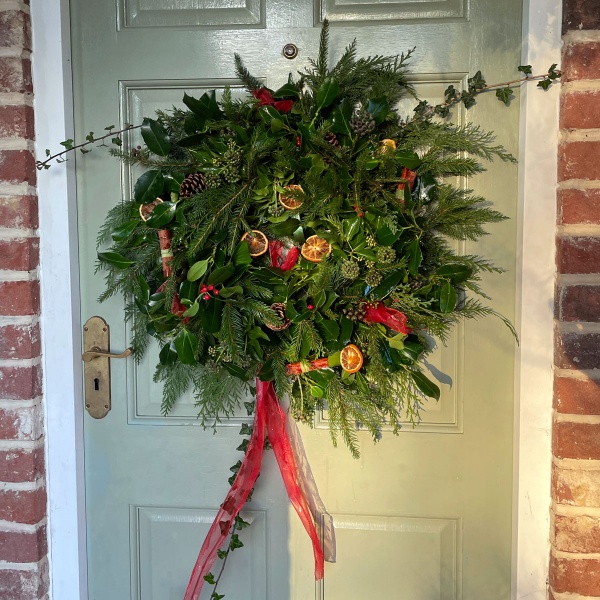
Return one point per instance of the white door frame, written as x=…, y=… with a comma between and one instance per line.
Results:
x=61, y=323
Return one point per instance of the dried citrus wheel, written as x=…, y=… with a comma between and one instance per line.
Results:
x=257, y=242
x=289, y=202
x=388, y=145
x=146, y=209
x=351, y=358
x=315, y=248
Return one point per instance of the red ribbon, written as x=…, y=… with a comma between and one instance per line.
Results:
x=280, y=258
x=269, y=416
x=390, y=317
x=266, y=99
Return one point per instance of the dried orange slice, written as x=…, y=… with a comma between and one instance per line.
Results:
x=387, y=145
x=289, y=202
x=257, y=242
x=315, y=248
x=351, y=358
x=146, y=209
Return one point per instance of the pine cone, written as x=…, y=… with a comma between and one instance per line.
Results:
x=362, y=123
x=355, y=312
x=193, y=184
x=331, y=138
x=279, y=308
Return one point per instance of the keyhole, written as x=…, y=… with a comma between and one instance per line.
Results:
x=96, y=384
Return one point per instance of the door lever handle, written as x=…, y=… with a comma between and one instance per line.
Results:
x=96, y=352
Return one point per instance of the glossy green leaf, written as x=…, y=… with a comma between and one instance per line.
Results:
x=412, y=351
x=329, y=329
x=388, y=285
x=192, y=311
x=114, y=259
x=351, y=227
x=155, y=137
x=426, y=386
x=188, y=290
x=221, y=274
x=241, y=255
x=122, y=232
x=148, y=187
x=341, y=118
x=266, y=372
x=346, y=329
x=237, y=371
x=206, y=106
x=408, y=159
x=286, y=228
x=448, y=297
x=327, y=93
x=168, y=355
x=186, y=344
x=456, y=272
x=415, y=256
x=143, y=294
x=161, y=215
x=287, y=90
x=276, y=125
x=378, y=108
x=397, y=341
x=228, y=292
x=210, y=315
x=197, y=270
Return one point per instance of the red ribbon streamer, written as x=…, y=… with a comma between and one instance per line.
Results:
x=280, y=258
x=390, y=317
x=270, y=416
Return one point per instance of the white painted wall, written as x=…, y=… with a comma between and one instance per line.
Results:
x=61, y=324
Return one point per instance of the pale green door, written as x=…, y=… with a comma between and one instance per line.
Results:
x=422, y=516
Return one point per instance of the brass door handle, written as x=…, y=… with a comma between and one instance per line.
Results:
x=96, y=352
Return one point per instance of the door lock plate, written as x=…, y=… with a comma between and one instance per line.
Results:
x=96, y=338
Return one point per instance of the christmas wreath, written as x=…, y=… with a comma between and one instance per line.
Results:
x=298, y=243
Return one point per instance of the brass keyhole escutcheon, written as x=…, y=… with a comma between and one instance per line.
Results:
x=290, y=51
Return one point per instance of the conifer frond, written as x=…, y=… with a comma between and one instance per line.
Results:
x=251, y=82
x=176, y=380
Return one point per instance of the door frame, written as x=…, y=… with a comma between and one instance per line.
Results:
x=61, y=322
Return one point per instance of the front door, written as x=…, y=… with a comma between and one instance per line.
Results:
x=425, y=515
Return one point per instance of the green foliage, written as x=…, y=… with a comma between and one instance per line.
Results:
x=326, y=156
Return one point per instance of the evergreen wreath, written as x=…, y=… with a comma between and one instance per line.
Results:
x=303, y=238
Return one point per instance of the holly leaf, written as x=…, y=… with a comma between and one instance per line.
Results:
x=456, y=272
x=504, y=94
x=388, y=285
x=122, y=232
x=186, y=344
x=287, y=90
x=415, y=256
x=114, y=259
x=341, y=118
x=327, y=93
x=148, y=186
x=330, y=329
x=525, y=69
x=155, y=137
x=206, y=106
x=426, y=386
x=161, y=215
x=378, y=108
x=168, y=355
x=210, y=316
x=448, y=298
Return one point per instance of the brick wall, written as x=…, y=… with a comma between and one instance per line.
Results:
x=23, y=562
x=575, y=537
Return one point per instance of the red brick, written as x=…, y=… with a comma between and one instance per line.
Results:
x=15, y=29
x=578, y=254
x=581, y=14
x=577, y=534
x=21, y=465
x=578, y=206
x=15, y=75
x=16, y=121
x=20, y=383
x=24, y=585
x=19, y=298
x=580, y=576
x=20, y=341
x=577, y=396
x=19, y=254
x=20, y=212
x=579, y=160
x=20, y=547
x=576, y=487
x=23, y=424
x=17, y=166
x=580, y=110
x=576, y=440
x=23, y=506
x=577, y=350
x=581, y=61
x=579, y=303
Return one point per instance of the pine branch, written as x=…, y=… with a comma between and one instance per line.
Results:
x=251, y=82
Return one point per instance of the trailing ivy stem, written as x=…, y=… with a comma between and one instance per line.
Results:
x=214, y=590
x=43, y=164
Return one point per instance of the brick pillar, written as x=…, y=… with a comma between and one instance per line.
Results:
x=23, y=562
x=575, y=535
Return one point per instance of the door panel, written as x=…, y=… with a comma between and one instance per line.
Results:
x=420, y=516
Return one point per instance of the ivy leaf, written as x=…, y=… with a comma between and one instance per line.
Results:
x=477, y=82
x=450, y=93
x=114, y=259
x=426, y=386
x=467, y=99
x=210, y=578
x=504, y=95
x=327, y=93
x=379, y=108
x=544, y=83
x=68, y=144
x=148, y=186
x=448, y=298
x=221, y=554
x=155, y=137
x=186, y=344
x=197, y=270
x=526, y=69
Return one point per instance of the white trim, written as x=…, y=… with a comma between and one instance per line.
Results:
x=61, y=320
x=538, y=151
x=60, y=305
